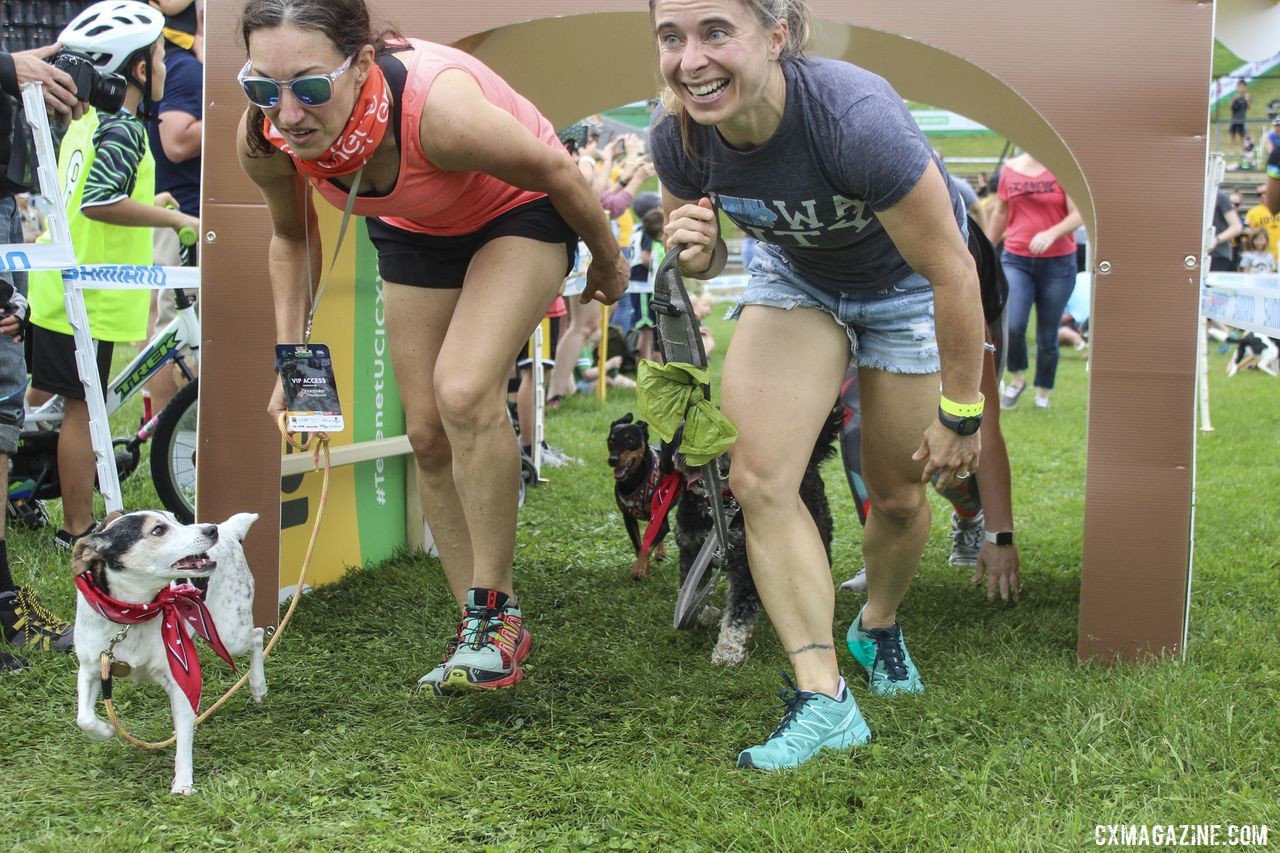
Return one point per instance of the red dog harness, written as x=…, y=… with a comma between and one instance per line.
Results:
x=654, y=499
x=664, y=495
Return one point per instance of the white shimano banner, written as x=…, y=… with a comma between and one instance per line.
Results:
x=20, y=257
x=1245, y=300
x=53, y=256
x=132, y=277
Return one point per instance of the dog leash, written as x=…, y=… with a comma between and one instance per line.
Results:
x=109, y=666
x=682, y=342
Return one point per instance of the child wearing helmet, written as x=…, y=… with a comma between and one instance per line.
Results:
x=108, y=180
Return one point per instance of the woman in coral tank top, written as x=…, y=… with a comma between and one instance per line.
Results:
x=475, y=209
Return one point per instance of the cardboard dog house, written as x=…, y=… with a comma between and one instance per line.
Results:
x=1056, y=78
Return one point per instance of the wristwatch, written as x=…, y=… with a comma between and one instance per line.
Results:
x=1001, y=540
x=960, y=425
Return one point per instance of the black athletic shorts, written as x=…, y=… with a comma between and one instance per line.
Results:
x=52, y=357
x=423, y=260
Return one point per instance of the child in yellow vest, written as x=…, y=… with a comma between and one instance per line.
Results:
x=108, y=177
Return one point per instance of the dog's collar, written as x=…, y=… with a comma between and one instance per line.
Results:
x=178, y=604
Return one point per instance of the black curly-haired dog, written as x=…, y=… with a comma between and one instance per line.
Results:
x=742, y=602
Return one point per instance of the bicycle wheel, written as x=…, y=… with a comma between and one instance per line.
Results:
x=173, y=454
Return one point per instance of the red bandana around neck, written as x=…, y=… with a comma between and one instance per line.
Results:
x=358, y=140
x=177, y=604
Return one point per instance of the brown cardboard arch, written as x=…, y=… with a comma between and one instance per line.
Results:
x=1055, y=78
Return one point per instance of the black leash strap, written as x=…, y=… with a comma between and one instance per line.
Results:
x=682, y=341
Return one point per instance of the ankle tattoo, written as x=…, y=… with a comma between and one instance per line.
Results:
x=812, y=647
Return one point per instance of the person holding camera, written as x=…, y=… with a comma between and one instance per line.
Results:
x=107, y=171
x=23, y=621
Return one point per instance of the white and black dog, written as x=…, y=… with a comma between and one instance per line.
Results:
x=128, y=572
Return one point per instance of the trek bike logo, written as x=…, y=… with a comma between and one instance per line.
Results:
x=164, y=348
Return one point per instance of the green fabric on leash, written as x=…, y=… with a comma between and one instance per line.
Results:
x=669, y=394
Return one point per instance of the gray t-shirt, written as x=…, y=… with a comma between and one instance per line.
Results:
x=968, y=197
x=846, y=146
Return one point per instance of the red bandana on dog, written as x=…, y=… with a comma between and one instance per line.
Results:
x=177, y=604
x=358, y=140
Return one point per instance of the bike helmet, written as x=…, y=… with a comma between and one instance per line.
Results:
x=110, y=32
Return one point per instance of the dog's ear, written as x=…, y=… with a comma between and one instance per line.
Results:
x=644, y=430
x=238, y=525
x=85, y=557
x=624, y=420
x=110, y=518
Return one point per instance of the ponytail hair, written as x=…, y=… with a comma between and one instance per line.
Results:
x=768, y=12
x=799, y=23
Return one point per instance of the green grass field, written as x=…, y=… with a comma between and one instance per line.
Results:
x=624, y=735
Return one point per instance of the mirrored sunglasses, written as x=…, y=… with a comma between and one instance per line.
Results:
x=311, y=90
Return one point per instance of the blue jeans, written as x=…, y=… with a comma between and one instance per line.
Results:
x=13, y=362
x=1047, y=283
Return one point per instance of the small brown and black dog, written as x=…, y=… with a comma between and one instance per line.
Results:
x=637, y=470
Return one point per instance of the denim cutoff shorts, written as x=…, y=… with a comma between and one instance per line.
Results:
x=889, y=328
x=13, y=361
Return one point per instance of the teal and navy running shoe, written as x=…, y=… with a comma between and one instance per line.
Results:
x=492, y=641
x=883, y=654
x=812, y=722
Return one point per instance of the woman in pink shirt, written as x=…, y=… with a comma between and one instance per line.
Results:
x=475, y=209
x=1036, y=219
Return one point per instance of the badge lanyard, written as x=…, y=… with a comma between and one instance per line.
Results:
x=306, y=371
x=342, y=231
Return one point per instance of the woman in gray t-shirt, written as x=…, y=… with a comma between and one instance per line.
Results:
x=822, y=163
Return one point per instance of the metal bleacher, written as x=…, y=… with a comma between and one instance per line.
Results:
x=27, y=24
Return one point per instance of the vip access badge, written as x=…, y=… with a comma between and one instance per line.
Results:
x=310, y=391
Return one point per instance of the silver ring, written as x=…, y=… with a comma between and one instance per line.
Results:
x=963, y=476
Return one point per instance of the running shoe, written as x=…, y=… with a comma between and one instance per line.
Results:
x=811, y=723
x=431, y=681
x=967, y=536
x=857, y=583
x=554, y=457
x=65, y=540
x=884, y=656
x=1009, y=397
x=27, y=624
x=492, y=641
